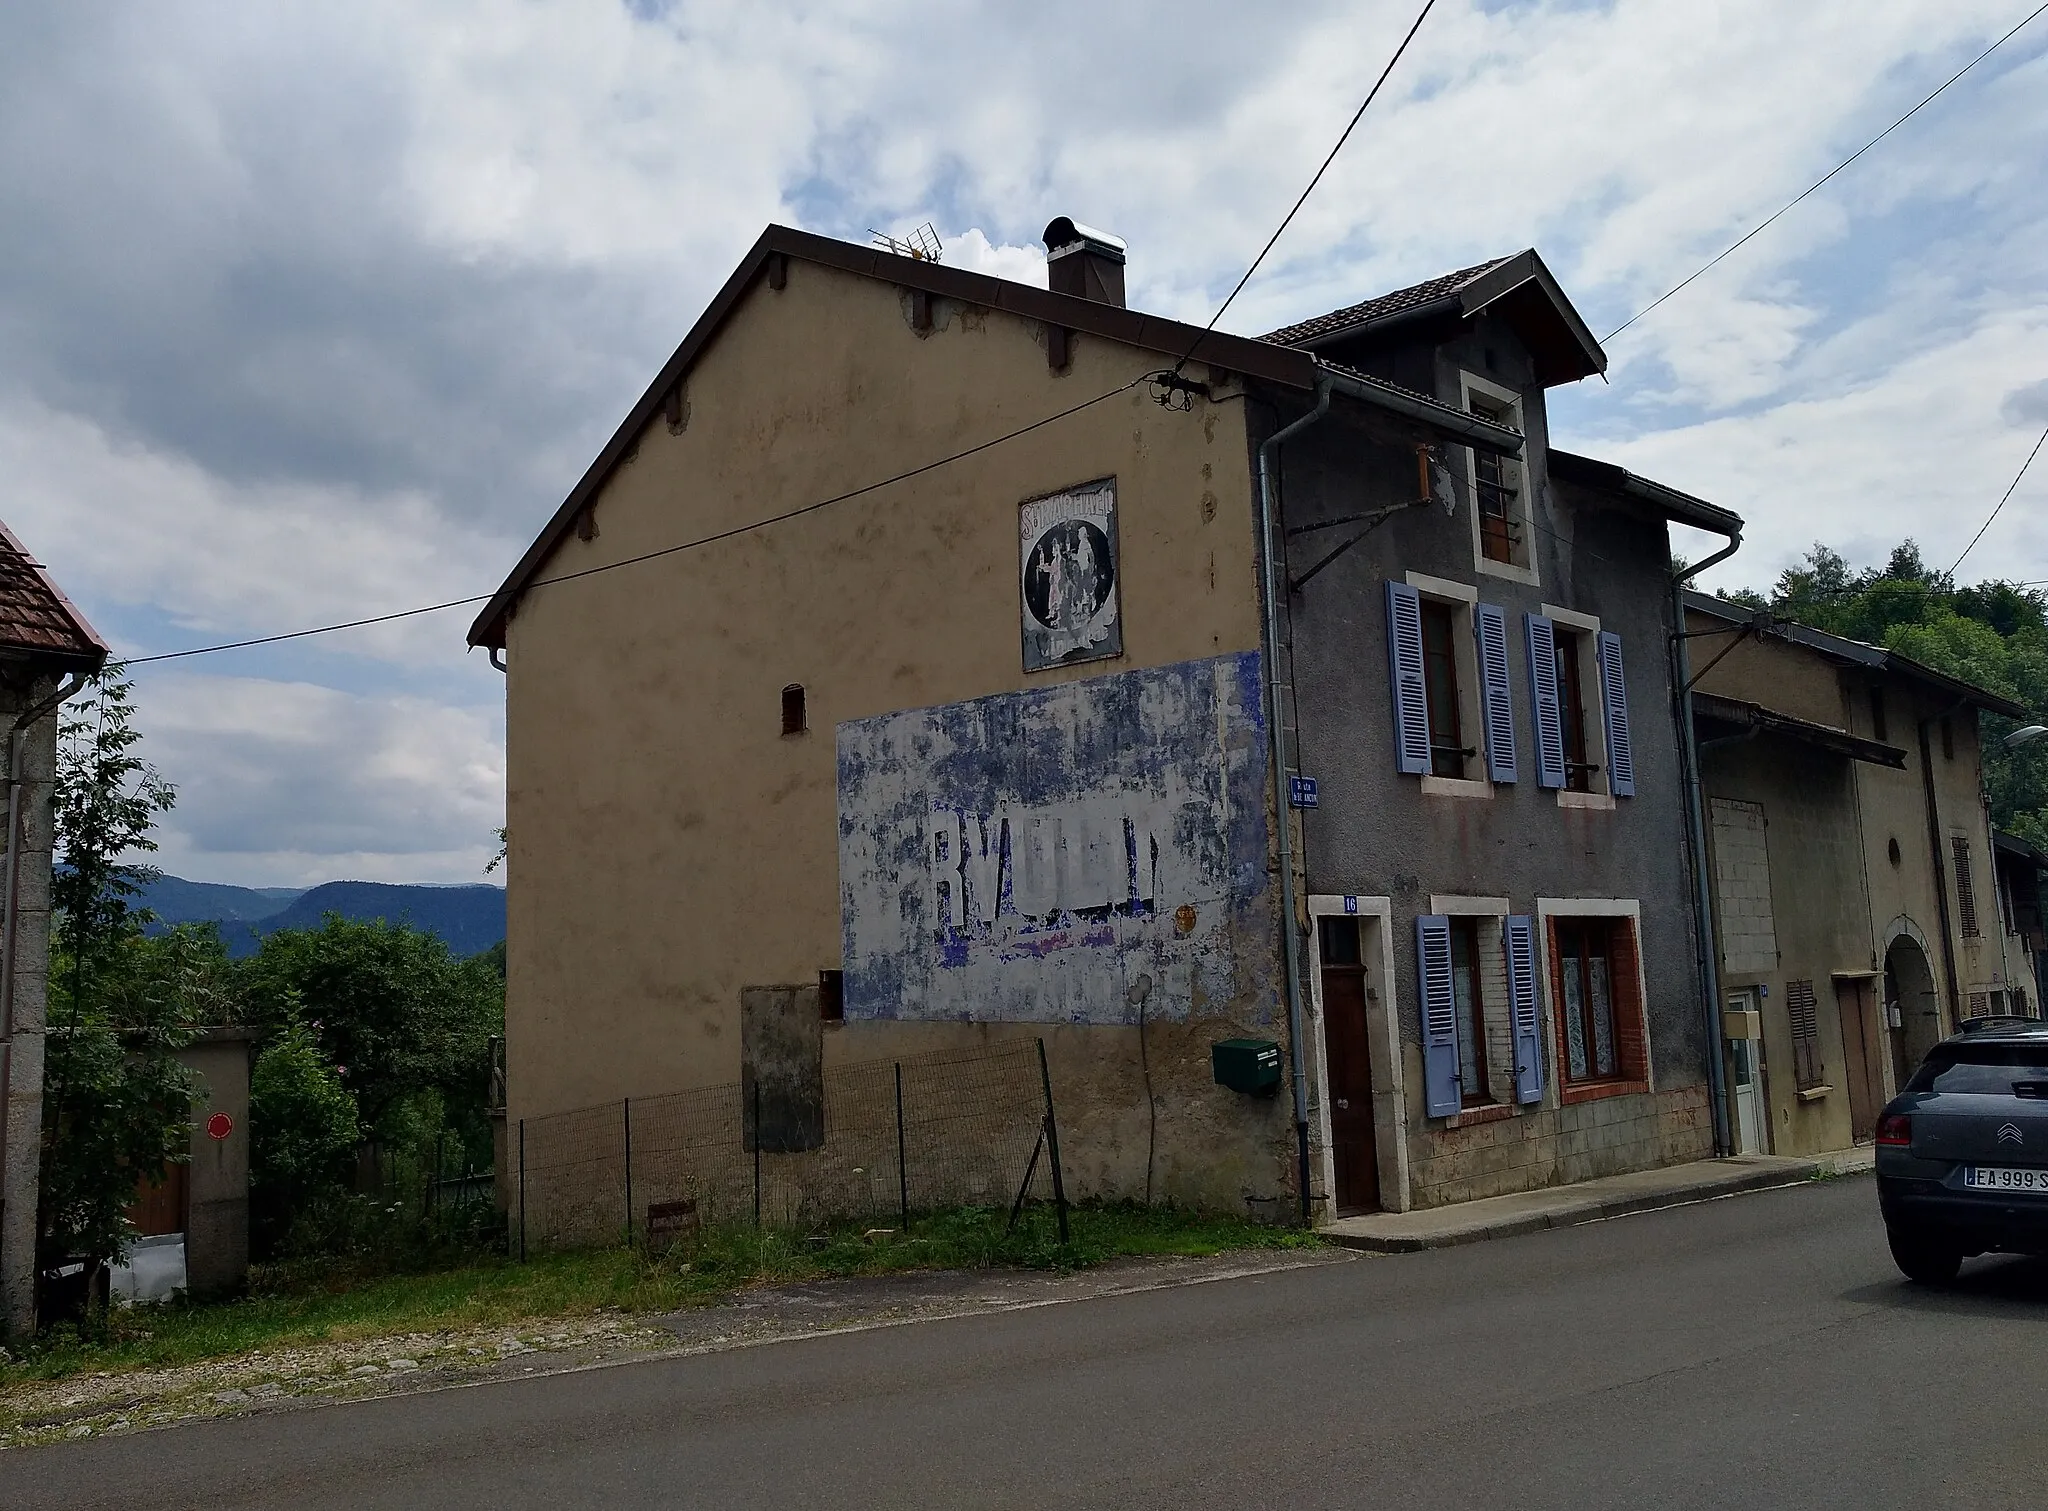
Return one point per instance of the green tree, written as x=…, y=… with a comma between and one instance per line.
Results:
x=304, y=1128
x=406, y=1024
x=117, y=1104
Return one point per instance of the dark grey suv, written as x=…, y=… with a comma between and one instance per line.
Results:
x=1962, y=1152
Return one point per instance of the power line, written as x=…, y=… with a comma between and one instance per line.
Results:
x=1845, y=162
x=2008, y=492
x=1356, y=117
x=688, y=545
x=840, y=498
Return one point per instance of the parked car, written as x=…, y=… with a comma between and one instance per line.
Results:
x=1962, y=1152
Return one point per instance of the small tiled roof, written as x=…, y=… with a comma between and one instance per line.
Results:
x=37, y=620
x=1378, y=309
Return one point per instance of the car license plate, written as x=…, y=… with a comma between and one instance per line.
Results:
x=1997, y=1178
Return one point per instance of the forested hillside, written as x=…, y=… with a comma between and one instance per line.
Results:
x=1994, y=634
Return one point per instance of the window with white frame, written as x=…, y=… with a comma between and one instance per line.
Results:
x=1482, y=1040
x=1501, y=512
x=1452, y=707
x=1579, y=692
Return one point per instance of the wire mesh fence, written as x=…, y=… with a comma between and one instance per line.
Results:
x=887, y=1137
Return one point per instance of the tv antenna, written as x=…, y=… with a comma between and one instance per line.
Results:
x=923, y=244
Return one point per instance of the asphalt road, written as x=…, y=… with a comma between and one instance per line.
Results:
x=1755, y=1351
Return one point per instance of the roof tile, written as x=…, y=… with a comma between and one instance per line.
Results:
x=1385, y=304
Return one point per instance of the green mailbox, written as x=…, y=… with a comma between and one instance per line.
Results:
x=1248, y=1065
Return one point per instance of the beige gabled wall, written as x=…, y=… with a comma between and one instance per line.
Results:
x=668, y=845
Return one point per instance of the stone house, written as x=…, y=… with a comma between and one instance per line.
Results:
x=1857, y=913
x=947, y=650
x=47, y=650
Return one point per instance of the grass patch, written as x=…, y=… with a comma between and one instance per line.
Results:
x=310, y=1303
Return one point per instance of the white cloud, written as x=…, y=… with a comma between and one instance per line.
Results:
x=130, y=527
x=288, y=783
x=314, y=311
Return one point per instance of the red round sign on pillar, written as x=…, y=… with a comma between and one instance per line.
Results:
x=220, y=1125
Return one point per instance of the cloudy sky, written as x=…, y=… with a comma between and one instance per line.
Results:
x=314, y=311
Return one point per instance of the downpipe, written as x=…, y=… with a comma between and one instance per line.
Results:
x=1277, y=742
x=1709, y=954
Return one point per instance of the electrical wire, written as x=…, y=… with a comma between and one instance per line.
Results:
x=688, y=545
x=840, y=498
x=1758, y=229
x=1357, y=116
x=2002, y=501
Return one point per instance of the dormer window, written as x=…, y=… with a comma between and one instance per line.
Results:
x=1499, y=487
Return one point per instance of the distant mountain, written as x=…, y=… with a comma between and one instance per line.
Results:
x=176, y=900
x=469, y=918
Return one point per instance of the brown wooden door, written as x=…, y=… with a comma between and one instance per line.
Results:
x=159, y=1206
x=1862, y=1048
x=1346, y=1046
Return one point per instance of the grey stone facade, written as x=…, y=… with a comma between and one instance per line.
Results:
x=1427, y=846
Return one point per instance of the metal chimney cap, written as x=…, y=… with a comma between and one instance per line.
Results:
x=1065, y=235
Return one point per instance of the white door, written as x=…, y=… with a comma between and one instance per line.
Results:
x=1745, y=1063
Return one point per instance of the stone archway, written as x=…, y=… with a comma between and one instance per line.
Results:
x=1912, y=1004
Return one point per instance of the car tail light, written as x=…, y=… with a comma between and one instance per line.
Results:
x=1895, y=1131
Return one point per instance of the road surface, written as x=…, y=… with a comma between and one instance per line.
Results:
x=1754, y=1351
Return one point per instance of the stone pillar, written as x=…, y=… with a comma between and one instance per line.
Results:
x=21, y=1041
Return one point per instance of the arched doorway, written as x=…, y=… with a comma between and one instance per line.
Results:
x=1912, y=1006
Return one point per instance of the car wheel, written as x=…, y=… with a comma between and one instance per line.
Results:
x=1927, y=1260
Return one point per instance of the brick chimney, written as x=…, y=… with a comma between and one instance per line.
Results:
x=1085, y=262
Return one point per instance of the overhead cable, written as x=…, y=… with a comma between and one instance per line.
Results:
x=1747, y=236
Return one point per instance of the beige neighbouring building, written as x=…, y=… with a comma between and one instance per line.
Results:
x=46, y=651
x=1857, y=907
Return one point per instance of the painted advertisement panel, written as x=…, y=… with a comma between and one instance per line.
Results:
x=1069, y=597
x=1063, y=854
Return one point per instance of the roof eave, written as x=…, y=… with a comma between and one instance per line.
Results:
x=1282, y=365
x=1591, y=472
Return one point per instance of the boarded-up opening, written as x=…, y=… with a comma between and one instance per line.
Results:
x=782, y=1068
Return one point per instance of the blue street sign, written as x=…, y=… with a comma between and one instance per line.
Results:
x=1301, y=791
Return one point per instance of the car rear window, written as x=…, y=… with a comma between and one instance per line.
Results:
x=1985, y=1070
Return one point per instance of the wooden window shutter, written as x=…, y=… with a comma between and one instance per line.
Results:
x=1966, y=891
x=1439, y=1015
x=1497, y=704
x=1542, y=637
x=1621, y=755
x=1518, y=935
x=1404, y=669
x=1805, y=1013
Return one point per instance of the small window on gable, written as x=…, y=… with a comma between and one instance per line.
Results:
x=1499, y=488
x=793, y=717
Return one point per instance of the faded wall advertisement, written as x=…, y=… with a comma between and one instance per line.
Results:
x=1069, y=593
x=1068, y=854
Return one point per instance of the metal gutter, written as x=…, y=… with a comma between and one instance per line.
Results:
x=1709, y=953
x=1290, y=941
x=1455, y=424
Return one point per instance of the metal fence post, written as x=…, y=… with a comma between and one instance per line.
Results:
x=902, y=1167
x=626, y=1107
x=1052, y=1143
x=522, y=1190
x=757, y=1153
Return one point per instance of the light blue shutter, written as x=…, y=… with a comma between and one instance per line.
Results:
x=1490, y=630
x=1520, y=935
x=1439, y=1015
x=1621, y=755
x=1543, y=701
x=1404, y=670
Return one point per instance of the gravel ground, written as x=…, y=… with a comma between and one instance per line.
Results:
x=285, y=1379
